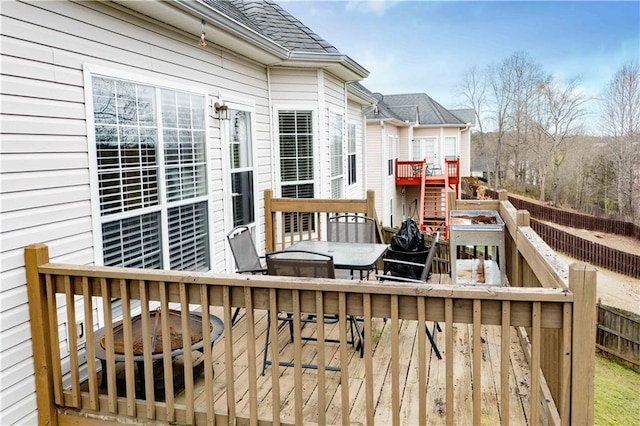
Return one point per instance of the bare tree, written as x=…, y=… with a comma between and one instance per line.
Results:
x=526, y=76
x=621, y=122
x=560, y=120
x=501, y=81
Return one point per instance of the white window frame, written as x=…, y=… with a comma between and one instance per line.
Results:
x=91, y=70
x=278, y=183
x=336, y=137
x=352, y=153
x=392, y=149
x=228, y=170
x=448, y=144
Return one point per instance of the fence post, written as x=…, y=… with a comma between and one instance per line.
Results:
x=269, y=232
x=34, y=256
x=503, y=195
x=582, y=283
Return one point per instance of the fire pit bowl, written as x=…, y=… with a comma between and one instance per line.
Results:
x=177, y=350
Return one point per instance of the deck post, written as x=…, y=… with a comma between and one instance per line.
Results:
x=522, y=220
x=582, y=283
x=503, y=195
x=269, y=232
x=34, y=256
x=371, y=212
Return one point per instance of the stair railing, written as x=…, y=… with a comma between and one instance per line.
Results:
x=423, y=184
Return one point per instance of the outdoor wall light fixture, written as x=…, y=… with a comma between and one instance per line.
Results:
x=202, y=42
x=221, y=110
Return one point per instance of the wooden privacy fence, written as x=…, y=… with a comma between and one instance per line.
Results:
x=619, y=334
x=588, y=251
x=574, y=246
x=572, y=219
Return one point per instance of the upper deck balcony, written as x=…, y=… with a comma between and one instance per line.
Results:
x=415, y=172
x=519, y=354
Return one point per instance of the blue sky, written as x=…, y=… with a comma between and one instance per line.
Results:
x=425, y=46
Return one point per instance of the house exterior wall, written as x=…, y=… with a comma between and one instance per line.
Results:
x=46, y=193
x=373, y=162
x=388, y=198
x=49, y=50
x=387, y=193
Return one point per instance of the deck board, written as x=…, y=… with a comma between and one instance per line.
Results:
x=381, y=337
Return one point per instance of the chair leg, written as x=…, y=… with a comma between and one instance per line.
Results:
x=266, y=344
x=431, y=337
x=235, y=316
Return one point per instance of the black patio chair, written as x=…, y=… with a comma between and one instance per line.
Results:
x=352, y=228
x=245, y=256
x=300, y=263
x=398, y=265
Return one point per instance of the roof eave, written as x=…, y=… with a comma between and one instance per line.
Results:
x=452, y=125
x=339, y=64
x=389, y=120
x=224, y=31
x=353, y=93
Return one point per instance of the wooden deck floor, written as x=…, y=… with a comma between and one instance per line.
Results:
x=436, y=409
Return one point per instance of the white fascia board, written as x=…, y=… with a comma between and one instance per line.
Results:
x=356, y=95
x=393, y=121
x=435, y=126
x=341, y=65
x=225, y=31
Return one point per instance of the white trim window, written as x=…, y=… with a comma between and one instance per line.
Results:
x=295, y=132
x=239, y=136
x=151, y=171
x=450, y=146
x=337, y=155
x=416, y=150
x=352, y=165
x=391, y=153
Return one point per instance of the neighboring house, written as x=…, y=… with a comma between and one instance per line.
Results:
x=408, y=128
x=139, y=133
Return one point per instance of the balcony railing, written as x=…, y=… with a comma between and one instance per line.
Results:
x=550, y=308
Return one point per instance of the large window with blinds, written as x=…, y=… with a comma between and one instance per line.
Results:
x=337, y=155
x=295, y=129
x=151, y=175
x=295, y=137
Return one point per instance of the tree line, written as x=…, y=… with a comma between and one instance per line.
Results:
x=532, y=135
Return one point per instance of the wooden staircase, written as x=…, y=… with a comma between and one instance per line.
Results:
x=433, y=198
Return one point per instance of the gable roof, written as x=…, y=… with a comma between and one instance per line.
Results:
x=429, y=111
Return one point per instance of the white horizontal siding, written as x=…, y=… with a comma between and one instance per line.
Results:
x=45, y=194
x=18, y=407
x=11, y=338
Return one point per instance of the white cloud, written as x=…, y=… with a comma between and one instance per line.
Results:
x=377, y=7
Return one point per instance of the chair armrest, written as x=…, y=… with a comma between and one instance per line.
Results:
x=403, y=262
x=381, y=277
x=253, y=271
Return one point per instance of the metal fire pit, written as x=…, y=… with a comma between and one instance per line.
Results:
x=477, y=228
x=156, y=335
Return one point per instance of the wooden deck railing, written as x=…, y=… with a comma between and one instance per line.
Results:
x=553, y=310
x=288, y=220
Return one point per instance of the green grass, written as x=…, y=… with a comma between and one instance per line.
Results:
x=617, y=394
